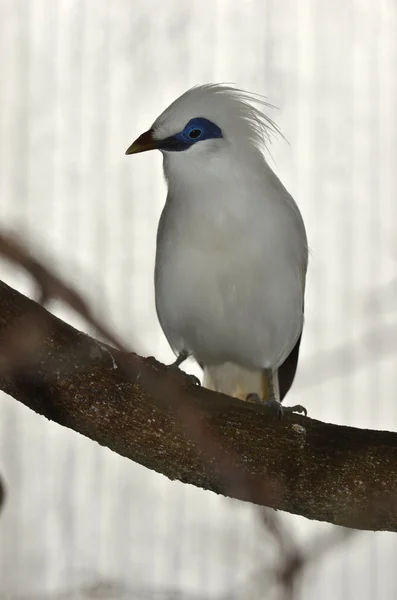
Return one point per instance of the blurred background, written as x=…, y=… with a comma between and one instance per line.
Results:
x=80, y=79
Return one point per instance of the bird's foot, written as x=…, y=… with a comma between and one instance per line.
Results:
x=298, y=408
x=175, y=366
x=193, y=380
x=276, y=407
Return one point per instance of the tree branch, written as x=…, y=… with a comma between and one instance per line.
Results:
x=156, y=417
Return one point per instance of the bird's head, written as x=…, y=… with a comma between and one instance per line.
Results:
x=208, y=118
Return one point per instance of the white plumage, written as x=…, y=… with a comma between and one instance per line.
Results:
x=231, y=246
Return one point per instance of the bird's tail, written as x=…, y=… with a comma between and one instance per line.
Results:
x=236, y=381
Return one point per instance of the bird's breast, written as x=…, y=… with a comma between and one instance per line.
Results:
x=222, y=290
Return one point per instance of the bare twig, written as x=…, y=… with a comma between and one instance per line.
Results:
x=51, y=286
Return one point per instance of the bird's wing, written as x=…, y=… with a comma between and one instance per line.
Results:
x=286, y=372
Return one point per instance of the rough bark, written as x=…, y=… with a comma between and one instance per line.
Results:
x=158, y=418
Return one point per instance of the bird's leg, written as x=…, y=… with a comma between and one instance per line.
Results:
x=272, y=401
x=182, y=356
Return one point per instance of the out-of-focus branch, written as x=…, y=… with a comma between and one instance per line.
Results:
x=50, y=285
x=143, y=411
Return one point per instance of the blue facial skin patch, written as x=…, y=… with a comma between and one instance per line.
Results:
x=197, y=130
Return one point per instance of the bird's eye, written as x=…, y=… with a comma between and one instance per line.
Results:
x=194, y=134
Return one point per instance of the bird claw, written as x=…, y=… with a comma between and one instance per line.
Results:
x=298, y=408
x=275, y=407
x=254, y=398
x=193, y=380
x=175, y=366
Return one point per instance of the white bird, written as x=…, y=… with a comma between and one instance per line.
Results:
x=232, y=251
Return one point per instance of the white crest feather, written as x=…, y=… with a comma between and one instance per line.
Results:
x=238, y=113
